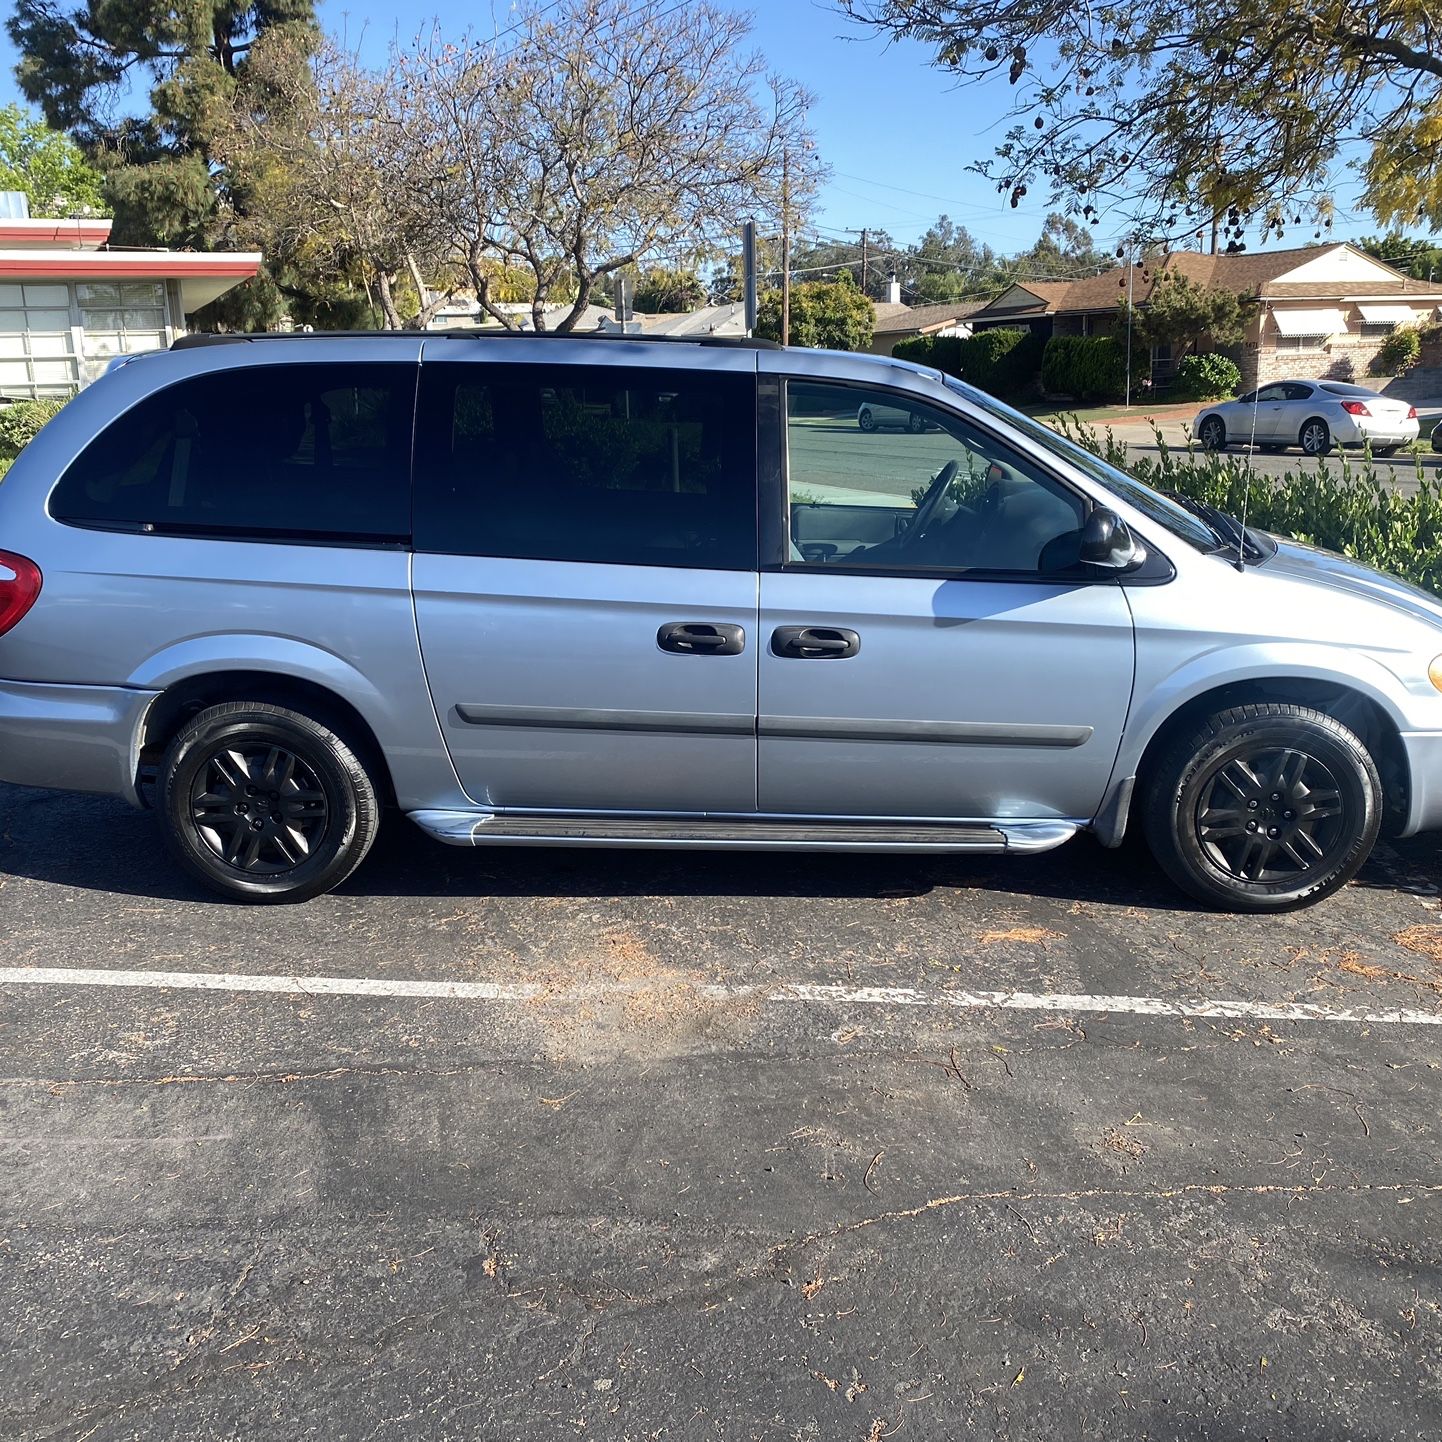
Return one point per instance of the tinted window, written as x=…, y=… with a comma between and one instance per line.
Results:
x=300, y=452
x=1341, y=388
x=877, y=481
x=1296, y=392
x=604, y=464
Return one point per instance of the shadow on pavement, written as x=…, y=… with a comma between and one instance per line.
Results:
x=100, y=845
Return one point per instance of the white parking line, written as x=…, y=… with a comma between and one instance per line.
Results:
x=780, y=994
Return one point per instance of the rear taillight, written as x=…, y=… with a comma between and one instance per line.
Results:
x=19, y=586
x=1411, y=413
x=1356, y=408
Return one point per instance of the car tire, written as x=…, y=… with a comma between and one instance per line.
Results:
x=1212, y=433
x=1314, y=437
x=261, y=803
x=916, y=424
x=865, y=419
x=1252, y=855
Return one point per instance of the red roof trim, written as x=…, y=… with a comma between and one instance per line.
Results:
x=85, y=266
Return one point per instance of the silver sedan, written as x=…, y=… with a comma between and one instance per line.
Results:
x=1315, y=415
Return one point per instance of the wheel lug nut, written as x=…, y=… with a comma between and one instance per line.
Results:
x=1251, y=806
x=1251, y=826
x=256, y=823
x=241, y=808
x=1273, y=832
x=1276, y=796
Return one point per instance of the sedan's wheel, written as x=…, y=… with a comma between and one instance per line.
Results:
x=1212, y=433
x=1264, y=807
x=265, y=804
x=916, y=424
x=865, y=419
x=1315, y=438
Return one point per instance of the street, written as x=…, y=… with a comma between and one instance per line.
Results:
x=525, y=1144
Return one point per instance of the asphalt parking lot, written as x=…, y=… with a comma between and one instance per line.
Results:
x=642, y=1145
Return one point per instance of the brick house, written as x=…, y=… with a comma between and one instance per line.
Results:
x=1320, y=311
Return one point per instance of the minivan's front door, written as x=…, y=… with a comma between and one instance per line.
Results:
x=585, y=576
x=957, y=667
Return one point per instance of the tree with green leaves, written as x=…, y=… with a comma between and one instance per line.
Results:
x=1410, y=254
x=1181, y=114
x=662, y=291
x=1180, y=312
x=184, y=65
x=48, y=167
x=832, y=314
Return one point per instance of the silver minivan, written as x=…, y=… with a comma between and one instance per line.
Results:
x=622, y=592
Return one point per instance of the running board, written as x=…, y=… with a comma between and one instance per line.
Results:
x=483, y=828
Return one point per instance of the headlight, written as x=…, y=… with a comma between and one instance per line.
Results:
x=1434, y=672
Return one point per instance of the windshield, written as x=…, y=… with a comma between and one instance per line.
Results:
x=1152, y=504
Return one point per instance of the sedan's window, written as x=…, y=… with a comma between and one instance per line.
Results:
x=1272, y=393
x=641, y=467
x=1341, y=388
x=877, y=481
x=1298, y=392
x=285, y=452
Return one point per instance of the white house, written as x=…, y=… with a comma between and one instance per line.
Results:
x=69, y=302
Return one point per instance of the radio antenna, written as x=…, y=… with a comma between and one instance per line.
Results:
x=1247, y=482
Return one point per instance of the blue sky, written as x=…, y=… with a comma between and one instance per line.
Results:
x=896, y=133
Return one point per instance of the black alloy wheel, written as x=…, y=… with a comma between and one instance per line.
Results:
x=260, y=808
x=263, y=803
x=1270, y=814
x=1262, y=807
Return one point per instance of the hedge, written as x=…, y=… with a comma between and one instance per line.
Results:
x=20, y=423
x=1087, y=368
x=1003, y=362
x=1206, y=377
x=1341, y=505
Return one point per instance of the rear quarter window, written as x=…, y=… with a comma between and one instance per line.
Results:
x=292, y=452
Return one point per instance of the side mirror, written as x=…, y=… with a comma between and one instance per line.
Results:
x=1106, y=542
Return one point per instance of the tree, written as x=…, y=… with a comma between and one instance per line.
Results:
x=323, y=166
x=948, y=264
x=160, y=175
x=592, y=134
x=1180, y=312
x=1186, y=113
x=1063, y=250
x=1412, y=256
x=49, y=167
x=829, y=313
x=663, y=290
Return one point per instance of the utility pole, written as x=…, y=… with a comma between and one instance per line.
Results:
x=786, y=247
x=1131, y=271
x=864, y=277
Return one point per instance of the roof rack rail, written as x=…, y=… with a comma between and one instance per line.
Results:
x=208, y=338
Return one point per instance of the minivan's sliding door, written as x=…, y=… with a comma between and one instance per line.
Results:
x=585, y=577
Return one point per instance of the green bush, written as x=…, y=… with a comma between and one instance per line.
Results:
x=1400, y=350
x=1088, y=368
x=20, y=423
x=1003, y=362
x=1341, y=506
x=1206, y=378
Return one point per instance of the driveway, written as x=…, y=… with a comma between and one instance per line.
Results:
x=528, y=1145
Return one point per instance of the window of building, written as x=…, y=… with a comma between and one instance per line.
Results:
x=879, y=481
x=1301, y=342
x=36, y=352
x=287, y=452
x=1377, y=329
x=639, y=467
x=122, y=318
